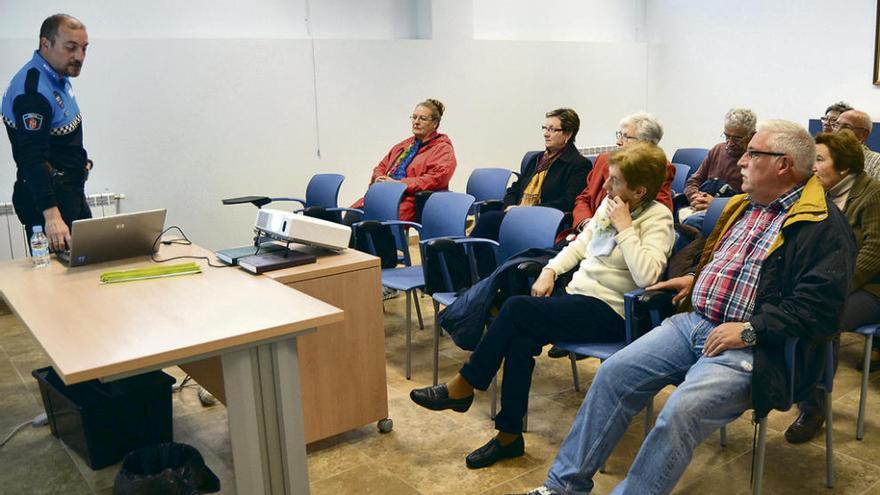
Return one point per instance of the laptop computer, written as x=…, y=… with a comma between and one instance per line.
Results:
x=114, y=237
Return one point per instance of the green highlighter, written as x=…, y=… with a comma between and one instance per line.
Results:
x=148, y=273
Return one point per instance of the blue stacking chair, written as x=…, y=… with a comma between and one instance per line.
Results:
x=827, y=384
x=691, y=157
x=487, y=184
x=444, y=216
x=713, y=212
x=522, y=228
x=322, y=193
x=382, y=203
x=682, y=174
x=867, y=331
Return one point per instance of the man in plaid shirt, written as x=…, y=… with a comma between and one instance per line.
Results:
x=777, y=265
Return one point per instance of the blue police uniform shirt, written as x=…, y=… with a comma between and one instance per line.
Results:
x=57, y=91
x=44, y=125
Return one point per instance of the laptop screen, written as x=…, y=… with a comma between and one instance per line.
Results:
x=115, y=237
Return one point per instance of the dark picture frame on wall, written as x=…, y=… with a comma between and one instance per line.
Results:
x=877, y=47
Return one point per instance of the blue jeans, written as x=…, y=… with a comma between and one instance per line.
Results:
x=695, y=220
x=711, y=393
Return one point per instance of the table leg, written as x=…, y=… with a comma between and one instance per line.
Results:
x=265, y=419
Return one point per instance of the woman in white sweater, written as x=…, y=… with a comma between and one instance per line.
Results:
x=625, y=246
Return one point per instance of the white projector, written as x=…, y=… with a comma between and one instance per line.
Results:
x=286, y=226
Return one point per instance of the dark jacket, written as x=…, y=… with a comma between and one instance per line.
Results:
x=465, y=318
x=803, y=283
x=564, y=181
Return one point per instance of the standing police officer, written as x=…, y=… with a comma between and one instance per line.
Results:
x=45, y=129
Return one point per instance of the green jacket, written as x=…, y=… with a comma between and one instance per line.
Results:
x=862, y=211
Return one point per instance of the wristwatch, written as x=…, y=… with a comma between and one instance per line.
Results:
x=748, y=334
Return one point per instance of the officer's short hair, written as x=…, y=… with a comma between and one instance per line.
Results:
x=49, y=28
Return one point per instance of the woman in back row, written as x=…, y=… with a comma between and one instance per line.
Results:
x=424, y=162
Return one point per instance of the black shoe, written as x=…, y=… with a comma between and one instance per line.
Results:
x=436, y=398
x=804, y=428
x=493, y=452
x=541, y=490
x=558, y=352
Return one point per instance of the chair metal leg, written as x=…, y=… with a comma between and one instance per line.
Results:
x=408, y=335
x=758, y=468
x=723, y=433
x=526, y=422
x=436, y=342
x=574, y=371
x=829, y=442
x=863, y=397
x=649, y=416
x=418, y=309
x=493, y=406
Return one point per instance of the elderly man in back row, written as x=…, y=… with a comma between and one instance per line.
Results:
x=719, y=175
x=777, y=265
x=860, y=124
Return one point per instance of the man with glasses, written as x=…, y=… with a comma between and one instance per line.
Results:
x=831, y=113
x=860, y=123
x=719, y=169
x=778, y=267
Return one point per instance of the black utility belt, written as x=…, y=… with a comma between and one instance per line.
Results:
x=69, y=176
x=58, y=177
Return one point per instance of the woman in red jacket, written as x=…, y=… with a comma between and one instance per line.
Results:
x=424, y=162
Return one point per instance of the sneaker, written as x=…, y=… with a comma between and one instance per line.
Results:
x=541, y=490
x=389, y=293
x=206, y=398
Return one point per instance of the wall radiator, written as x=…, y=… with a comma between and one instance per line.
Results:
x=13, y=239
x=596, y=150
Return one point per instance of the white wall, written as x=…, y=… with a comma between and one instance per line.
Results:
x=560, y=20
x=223, y=19
x=784, y=59
x=181, y=121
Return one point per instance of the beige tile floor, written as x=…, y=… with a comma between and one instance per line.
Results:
x=424, y=454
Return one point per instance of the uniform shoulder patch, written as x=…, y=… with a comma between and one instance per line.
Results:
x=32, y=121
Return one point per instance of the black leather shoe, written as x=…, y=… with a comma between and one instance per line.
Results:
x=804, y=428
x=557, y=352
x=436, y=398
x=493, y=452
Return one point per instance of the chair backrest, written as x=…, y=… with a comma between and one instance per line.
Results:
x=682, y=174
x=691, y=157
x=323, y=190
x=712, y=214
x=445, y=214
x=527, y=227
x=526, y=159
x=382, y=201
x=488, y=183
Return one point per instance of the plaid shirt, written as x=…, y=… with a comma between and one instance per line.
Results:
x=725, y=289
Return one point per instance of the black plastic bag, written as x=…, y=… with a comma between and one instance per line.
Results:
x=165, y=469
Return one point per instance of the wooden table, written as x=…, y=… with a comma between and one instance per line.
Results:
x=342, y=368
x=90, y=331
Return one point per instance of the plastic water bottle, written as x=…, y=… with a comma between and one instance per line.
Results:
x=39, y=248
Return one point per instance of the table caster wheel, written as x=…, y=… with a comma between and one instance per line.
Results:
x=385, y=425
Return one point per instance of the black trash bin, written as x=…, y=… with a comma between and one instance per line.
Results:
x=104, y=421
x=165, y=469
